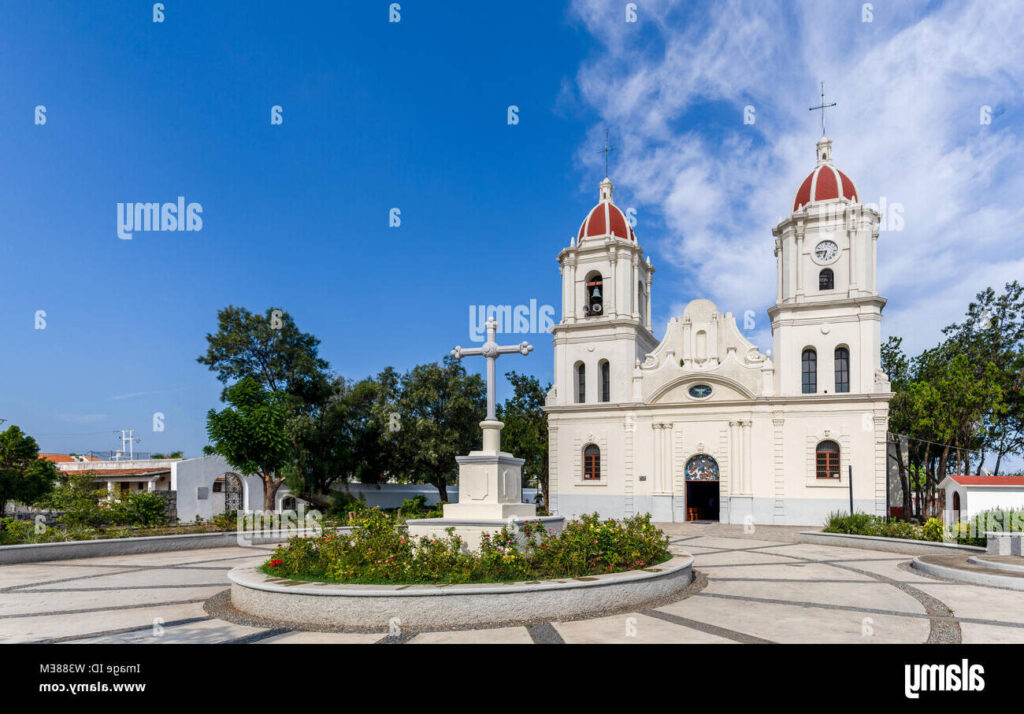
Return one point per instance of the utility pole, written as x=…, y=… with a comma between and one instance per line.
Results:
x=128, y=443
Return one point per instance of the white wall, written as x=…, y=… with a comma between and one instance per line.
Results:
x=190, y=475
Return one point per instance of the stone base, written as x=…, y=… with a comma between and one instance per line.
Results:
x=380, y=607
x=470, y=529
x=490, y=511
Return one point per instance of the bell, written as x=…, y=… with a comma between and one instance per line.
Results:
x=596, y=293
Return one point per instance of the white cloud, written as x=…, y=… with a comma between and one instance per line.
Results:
x=910, y=91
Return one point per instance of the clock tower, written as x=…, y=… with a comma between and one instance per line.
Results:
x=826, y=321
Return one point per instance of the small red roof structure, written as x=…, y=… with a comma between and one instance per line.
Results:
x=967, y=480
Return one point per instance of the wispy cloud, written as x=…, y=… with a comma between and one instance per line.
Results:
x=911, y=90
x=81, y=418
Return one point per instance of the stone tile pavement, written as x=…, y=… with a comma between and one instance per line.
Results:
x=761, y=586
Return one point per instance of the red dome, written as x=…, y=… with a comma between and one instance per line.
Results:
x=826, y=181
x=606, y=218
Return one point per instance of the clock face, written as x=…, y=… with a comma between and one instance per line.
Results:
x=826, y=251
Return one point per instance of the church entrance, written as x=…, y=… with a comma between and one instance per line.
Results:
x=702, y=502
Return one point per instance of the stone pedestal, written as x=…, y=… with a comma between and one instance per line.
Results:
x=490, y=495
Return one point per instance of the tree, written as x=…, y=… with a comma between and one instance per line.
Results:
x=251, y=433
x=439, y=409
x=24, y=477
x=271, y=349
x=993, y=332
x=526, y=427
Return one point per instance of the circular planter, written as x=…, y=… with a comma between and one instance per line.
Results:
x=379, y=606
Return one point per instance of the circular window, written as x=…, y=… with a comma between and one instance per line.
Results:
x=700, y=391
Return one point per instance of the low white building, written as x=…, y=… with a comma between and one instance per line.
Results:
x=203, y=487
x=967, y=496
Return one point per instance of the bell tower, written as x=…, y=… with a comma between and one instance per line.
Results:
x=826, y=321
x=606, y=308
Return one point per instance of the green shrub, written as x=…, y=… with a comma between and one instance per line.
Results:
x=870, y=525
x=139, y=509
x=342, y=502
x=1001, y=520
x=934, y=530
x=15, y=532
x=378, y=552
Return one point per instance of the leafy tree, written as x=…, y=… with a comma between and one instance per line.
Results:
x=993, y=332
x=24, y=477
x=78, y=494
x=526, y=427
x=271, y=349
x=251, y=433
x=440, y=408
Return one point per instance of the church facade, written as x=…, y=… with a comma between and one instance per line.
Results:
x=703, y=425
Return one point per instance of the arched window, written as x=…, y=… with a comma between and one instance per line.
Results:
x=809, y=371
x=827, y=459
x=595, y=299
x=826, y=279
x=581, y=383
x=956, y=503
x=641, y=301
x=701, y=468
x=606, y=388
x=842, y=369
x=591, y=463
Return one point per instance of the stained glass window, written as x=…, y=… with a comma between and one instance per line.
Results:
x=701, y=468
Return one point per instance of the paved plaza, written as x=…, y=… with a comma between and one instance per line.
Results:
x=759, y=587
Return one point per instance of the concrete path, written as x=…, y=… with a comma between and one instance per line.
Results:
x=757, y=587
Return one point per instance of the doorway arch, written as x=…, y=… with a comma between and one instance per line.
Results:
x=702, y=488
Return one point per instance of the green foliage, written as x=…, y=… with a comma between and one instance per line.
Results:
x=378, y=552
x=933, y=530
x=440, y=408
x=962, y=401
x=251, y=433
x=140, y=509
x=24, y=477
x=271, y=349
x=869, y=525
x=78, y=495
x=15, y=532
x=342, y=502
x=526, y=427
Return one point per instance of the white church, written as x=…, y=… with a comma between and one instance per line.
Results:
x=703, y=425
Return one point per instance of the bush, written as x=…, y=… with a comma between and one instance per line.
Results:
x=1002, y=520
x=869, y=525
x=342, y=502
x=377, y=552
x=934, y=530
x=140, y=509
x=15, y=532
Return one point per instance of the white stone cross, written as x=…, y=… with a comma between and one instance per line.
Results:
x=492, y=350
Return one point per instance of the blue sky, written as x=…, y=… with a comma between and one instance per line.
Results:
x=413, y=115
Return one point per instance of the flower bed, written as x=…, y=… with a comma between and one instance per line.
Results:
x=378, y=553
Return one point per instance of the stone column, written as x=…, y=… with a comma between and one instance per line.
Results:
x=735, y=475
x=666, y=476
x=748, y=480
